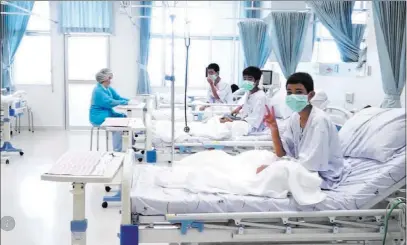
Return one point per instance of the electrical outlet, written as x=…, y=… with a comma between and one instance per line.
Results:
x=349, y=97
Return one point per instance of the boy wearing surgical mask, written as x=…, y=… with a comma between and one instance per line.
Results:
x=310, y=136
x=219, y=92
x=254, y=101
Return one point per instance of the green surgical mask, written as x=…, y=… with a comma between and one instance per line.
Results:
x=248, y=85
x=296, y=102
x=213, y=77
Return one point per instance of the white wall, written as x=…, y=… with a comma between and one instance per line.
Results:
x=48, y=102
x=124, y=51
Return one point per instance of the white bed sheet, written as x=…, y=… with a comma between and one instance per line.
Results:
x=258, y=136
x=165, y=98
x=368, y=179
x=165, y=113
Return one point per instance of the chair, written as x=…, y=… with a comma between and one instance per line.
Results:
x=97, y=138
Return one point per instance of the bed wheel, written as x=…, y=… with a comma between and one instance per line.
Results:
x=104, y=204
x=107, y=188
x=140, y=159
x=21, y=153
x=120, y=212
x=142, y=152
x=7, y=161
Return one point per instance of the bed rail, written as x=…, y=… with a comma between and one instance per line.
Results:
x=336, y=226
x=126, y=184
x=347, y=114
x=283, y=227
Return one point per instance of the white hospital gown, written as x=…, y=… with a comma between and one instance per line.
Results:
x=316, y=146
x=254, y=110
x=224, y=92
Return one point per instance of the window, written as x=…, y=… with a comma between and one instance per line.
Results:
x=214, y=39
x=86, y=56
x=325, y=48
x=32, y=62
x=360, y=6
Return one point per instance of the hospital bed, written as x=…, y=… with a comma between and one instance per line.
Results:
x=354, y=211
x=151, y=214
x=193, y=112
x=7, y=114
x=259, y=140
x=338, y=115
x=19, y=107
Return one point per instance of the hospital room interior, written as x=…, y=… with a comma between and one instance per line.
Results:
x=186, y=122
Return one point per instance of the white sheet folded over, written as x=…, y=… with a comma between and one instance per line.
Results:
x=219, y=172
x=212, y=129
x=216, y=130
x=179, y=113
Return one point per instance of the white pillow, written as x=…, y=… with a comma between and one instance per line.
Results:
x=374, y=133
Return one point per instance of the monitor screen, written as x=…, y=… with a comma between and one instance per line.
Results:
x=267, y=77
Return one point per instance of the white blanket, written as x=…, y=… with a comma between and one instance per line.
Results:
x=219, y=172
x=212, y=129
x=179, y=113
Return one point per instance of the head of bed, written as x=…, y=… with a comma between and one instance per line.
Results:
x=338, y=115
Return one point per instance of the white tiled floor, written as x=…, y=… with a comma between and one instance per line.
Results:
x=43, y=210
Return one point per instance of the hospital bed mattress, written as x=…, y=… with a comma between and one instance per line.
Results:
x=159, y=143
x=367, y=179
x=257, y=136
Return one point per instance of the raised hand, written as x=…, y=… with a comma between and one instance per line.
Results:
x=209, y=80
x=270, y=118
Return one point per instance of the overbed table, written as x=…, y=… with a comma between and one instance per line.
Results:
x=96, y=168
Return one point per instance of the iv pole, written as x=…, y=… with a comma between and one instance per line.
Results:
x=187, y=40
x=172, y=79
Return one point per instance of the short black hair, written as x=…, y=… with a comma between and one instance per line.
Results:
x=302, y=78
x=214, y=67
x=234, y=88
x=253, y=71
